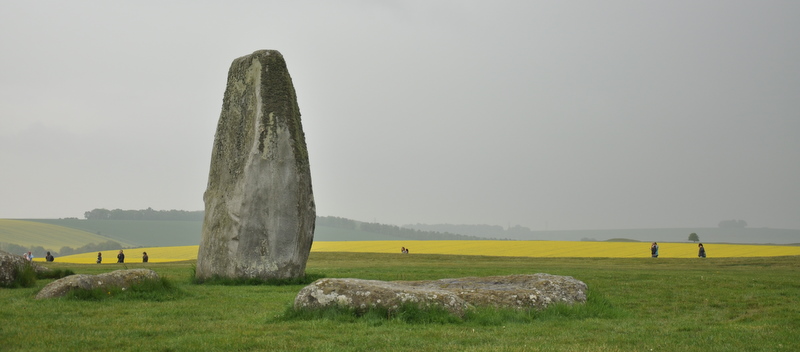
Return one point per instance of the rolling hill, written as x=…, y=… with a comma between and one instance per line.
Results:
x=35, y=233
x=53, y=234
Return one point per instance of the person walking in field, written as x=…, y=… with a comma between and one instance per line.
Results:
x=120, y=257
x=701, y=253
x=654, y=250
x=99, y=257
x=145, y=258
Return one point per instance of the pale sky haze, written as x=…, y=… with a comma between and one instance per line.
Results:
x=546, y=114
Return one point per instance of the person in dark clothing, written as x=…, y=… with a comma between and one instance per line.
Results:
x=99, y=257
x=145, y=258
x=702, y=251
x=49, y=257
x=120, y=257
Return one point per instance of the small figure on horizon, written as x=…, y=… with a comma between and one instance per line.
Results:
x=403, y=250
x=702, y=251
x=120, y=257
x=99, y=257
x=49, y=257
x=145, y=258
x=654, y=250
x=30, y=257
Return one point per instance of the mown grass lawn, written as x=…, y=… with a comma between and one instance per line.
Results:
x=664, y=304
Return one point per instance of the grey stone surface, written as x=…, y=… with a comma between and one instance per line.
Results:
x=364, y=294
x=9, y=263
x=260, y=212
x=118, y=279
x=535, y=291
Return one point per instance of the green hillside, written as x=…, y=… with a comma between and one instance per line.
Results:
x=143, y=233
x=330, y=233
x=36, y=233
x=54, y=234
x=138, y=233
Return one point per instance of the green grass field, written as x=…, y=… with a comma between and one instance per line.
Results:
x=45, y=234
x=138, y=232
x=52, y=234
x=665, y=304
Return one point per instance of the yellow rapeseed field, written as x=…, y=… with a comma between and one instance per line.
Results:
x=486, y=248
x=155, y=254
x=556, y=248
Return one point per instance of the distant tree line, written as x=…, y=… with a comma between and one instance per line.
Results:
x=332, y=221
x=516, y=232
x=732, y=224
x=391, y=230
x=40, y=251
x=144, y=214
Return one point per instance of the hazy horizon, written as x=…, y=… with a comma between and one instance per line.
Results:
x=549, y=115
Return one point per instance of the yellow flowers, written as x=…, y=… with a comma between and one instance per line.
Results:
x=486, y=248
x=134, y=255
x=556, y=249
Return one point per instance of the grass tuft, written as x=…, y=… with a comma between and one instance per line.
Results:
x=226, y=281
x=55, y=274
x=24, y=276
x=157, y=290
x=408, y=313
x=491, y=316
x=596, y=306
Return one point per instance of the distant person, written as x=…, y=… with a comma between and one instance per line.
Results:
x=120, y=257
x=99, y=257
x=702, y=251
x=402, y=249
x=406, y=250
x=49, y=257
x=30, y=257
x=654, y=250
x=145, y=257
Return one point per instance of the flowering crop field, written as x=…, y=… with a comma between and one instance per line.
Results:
x=552, y=249
x=557, y=249
x=155, y=254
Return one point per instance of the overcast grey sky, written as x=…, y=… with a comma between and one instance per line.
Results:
x=547, y=114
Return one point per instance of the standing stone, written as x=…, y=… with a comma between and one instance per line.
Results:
x=260, y=212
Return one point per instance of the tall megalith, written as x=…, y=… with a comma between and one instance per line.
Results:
x=259, y=207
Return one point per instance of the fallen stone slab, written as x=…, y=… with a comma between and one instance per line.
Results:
x=115, y=279
x=536, y=291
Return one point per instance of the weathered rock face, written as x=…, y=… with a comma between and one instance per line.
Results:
x=456, y=295
x=364, y=294
x=117, y=279
x=9, y=263
x=260, y=212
